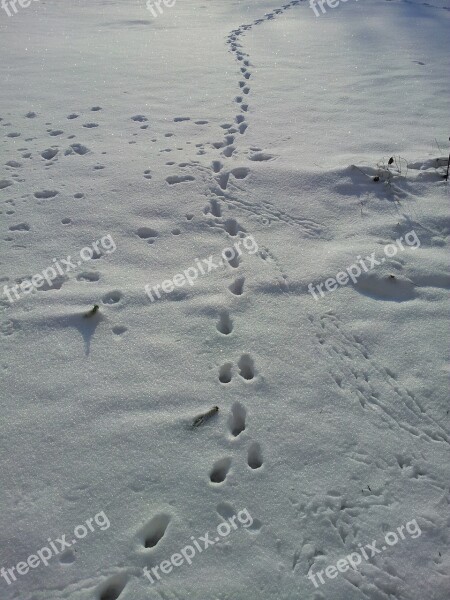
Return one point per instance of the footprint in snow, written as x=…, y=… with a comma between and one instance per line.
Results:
x=113, y=587
x=153, y=532
x=220, y=470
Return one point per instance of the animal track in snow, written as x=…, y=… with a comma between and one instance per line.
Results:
x=225, y=374
x=49, y=153
x=240, y=172
x=146, y=233
x=88, y=276
x=119, y=329
x=261, y=156
x=234, y=264
x=254, y=456
x=77, y=149
x=228, y=151
x=97, y=255
x=268, y=210
x=113, y=587
x=179, y=179
x=220, y=470
x=236, y=421
x=225, y=324
x=45, y=194
x=237, y=287
x=67, y=557
x=223, y=180
x=216, y=166
x=155, y=530
x=232, y=227
x=235, y=47
x=112, y=297
x=225, y=510
x=19, y=227
x=56, y=284
x=214, y=208
x=246, y=367
x=359, y=376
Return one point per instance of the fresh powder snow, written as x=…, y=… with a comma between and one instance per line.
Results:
x=224, y=295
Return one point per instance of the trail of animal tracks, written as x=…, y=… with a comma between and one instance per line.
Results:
x=231, y=156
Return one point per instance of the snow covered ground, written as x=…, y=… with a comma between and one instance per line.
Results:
x=216, y=180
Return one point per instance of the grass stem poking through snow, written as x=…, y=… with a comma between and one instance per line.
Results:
x=205, y=416
x=92, y=312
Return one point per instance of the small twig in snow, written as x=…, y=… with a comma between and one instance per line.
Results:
x=205, y=416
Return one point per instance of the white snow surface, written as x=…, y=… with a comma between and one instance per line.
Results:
x=214, y=123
